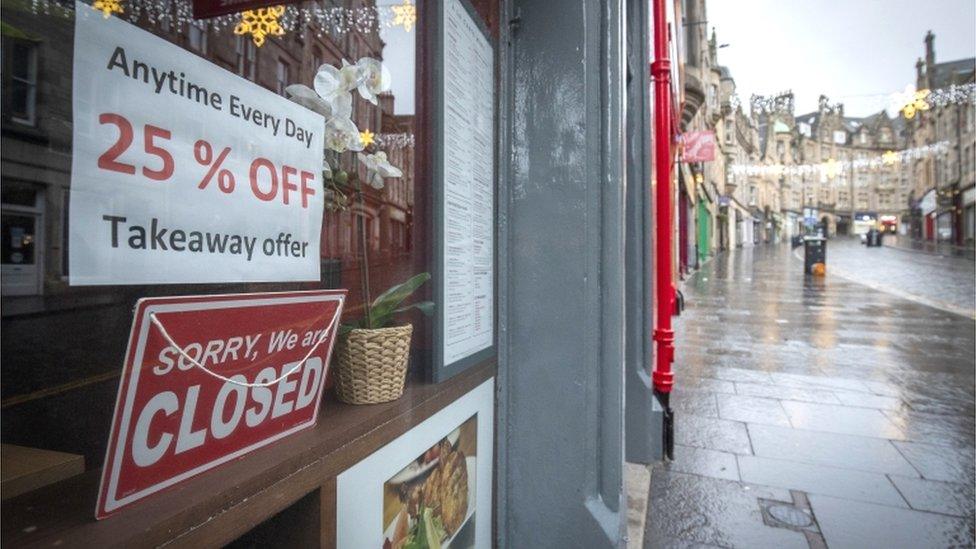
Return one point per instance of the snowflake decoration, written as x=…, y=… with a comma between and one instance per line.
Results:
x=261, y=23
x=108, y=7
x=404, y=15
x=367, y=137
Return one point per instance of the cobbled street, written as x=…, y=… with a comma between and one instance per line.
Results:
x=814, y=412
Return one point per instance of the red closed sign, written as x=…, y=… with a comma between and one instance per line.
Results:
x=208, y=379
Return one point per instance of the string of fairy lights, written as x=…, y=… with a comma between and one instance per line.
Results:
x=833, y=168
x=907, y=102
x=258, y=24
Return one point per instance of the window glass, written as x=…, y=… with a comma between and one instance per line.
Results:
x=64, y=344
x=23, y=81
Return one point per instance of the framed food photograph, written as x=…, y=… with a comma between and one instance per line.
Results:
x=430, y=488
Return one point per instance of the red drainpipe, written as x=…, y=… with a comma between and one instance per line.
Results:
x=661, y=71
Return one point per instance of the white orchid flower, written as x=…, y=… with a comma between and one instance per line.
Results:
x=342, y=135
x=335, y=86
x=378, y=168
x=306, y=97
x=374, y=78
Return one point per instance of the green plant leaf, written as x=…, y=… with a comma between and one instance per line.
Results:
x=426, y=307
x=387, y=303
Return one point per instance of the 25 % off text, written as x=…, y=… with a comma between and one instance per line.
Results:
x=266, y=181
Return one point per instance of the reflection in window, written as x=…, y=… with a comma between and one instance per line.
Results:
x=246, y=58
x=282, y=73
x=20, y=63
x=197, y=34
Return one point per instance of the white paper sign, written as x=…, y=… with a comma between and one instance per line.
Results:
x=183, y=172
x=469, y=186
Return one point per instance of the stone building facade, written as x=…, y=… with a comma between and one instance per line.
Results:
x=943, y=205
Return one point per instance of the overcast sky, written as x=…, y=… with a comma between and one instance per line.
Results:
x=854, y=51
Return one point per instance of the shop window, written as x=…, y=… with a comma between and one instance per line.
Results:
x=20, y=80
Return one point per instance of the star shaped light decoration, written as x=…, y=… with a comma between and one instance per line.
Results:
x=404, y=15
x=889, y=158
x=108, y=7
x=916, y=103
x=832, y=168
x=261, y=23
x=367, y=137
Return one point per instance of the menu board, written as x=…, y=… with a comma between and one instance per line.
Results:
x=467, y=188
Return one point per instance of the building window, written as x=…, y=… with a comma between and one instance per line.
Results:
x=247, y=56
x=20, y=70
x=197, y=36
x=840, y=137
x=281, y=72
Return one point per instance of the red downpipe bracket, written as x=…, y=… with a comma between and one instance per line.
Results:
x=663, y=377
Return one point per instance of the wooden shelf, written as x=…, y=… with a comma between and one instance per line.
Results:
x=223, y=504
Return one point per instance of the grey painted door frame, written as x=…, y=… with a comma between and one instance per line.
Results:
x=562, y=283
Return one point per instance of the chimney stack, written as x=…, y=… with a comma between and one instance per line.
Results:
x=929, y=53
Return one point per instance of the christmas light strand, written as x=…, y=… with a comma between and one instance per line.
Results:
x=392, y=141
x=314, y=19
x=833, y=168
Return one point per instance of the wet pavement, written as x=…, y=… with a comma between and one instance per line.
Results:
x=817, y=412
x=946, y=282
x=938, y=248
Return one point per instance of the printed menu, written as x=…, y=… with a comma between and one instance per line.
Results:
x=468, y=196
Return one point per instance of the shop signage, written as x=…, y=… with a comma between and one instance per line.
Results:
x=203, y=9
x=208, y=379
x=183, y=172
x=698, y=146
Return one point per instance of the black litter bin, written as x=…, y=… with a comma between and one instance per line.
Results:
x=814, y=251
x=874, y=238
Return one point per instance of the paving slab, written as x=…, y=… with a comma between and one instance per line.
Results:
x=742, y=374
x=821, y=382
x=846, y=420
x=847, y=451
x=820, y=479
x=857, y=525
x=699, y=403
x=870, y=401
x=713, y=511
x=947, y=430
x=752, y=410
x=822, y=396
x=700, y=461
x=712, y=433
x=938, y=462
x=938, y=497
x=708, y=384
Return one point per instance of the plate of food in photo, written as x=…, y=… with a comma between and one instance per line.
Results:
x=433, y=507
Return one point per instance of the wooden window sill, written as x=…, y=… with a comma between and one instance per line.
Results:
x=221, y=505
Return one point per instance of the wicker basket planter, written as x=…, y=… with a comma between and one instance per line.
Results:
x=371, y=365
